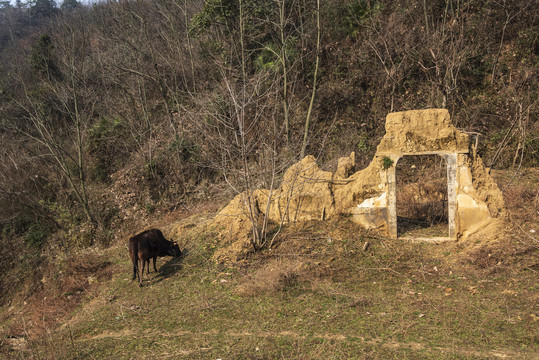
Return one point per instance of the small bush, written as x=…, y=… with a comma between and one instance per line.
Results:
x=36, y=235
x=387, y=162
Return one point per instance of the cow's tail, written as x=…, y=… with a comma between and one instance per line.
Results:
x=133, y=252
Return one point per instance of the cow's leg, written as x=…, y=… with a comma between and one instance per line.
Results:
x=143, y=261
x=148, y=269
x=134, y=260
x=134, y=270
x=154, y=259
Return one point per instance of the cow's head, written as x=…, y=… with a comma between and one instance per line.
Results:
x=174, y=250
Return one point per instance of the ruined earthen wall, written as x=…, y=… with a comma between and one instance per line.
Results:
x=478, y=197
x=307, y=192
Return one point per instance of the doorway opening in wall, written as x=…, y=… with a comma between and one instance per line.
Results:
x=422, y=205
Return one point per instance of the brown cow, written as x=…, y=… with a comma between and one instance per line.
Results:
x=147, y=245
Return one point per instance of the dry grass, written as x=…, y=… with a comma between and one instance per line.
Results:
x=483, y=258
x=66, y=282
x=276, y=275
x=522, y=201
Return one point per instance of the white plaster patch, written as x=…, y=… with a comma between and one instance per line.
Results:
x=465, y=178
x=380, y=201
x=466, y=201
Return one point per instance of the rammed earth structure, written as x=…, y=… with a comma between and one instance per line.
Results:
x=369, y=195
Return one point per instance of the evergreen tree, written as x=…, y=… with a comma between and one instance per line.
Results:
x=69, y=5
x=43, y=8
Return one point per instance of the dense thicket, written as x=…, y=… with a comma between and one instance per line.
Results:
x=144, y=105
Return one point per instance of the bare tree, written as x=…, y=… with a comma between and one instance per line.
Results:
x=315, y=79
x=60, y=109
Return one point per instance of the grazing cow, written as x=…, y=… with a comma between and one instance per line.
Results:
x=147, y=245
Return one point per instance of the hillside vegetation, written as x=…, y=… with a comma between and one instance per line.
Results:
x=122, y=115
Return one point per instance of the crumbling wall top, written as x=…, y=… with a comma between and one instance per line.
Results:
x=422, y=132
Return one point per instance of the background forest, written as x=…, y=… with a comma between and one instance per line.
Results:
x=116, y=112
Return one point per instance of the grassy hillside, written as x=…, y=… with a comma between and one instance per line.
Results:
x=319, y=293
